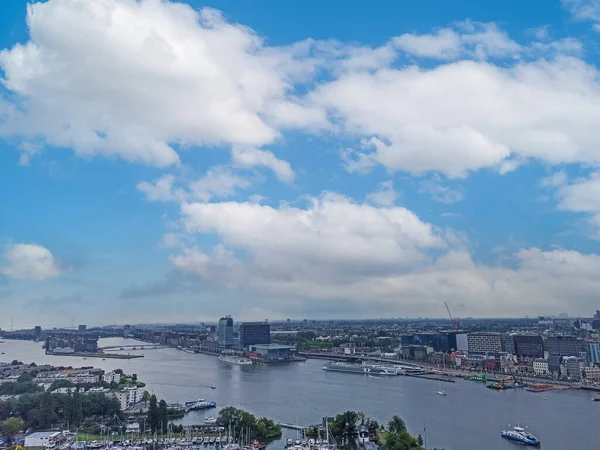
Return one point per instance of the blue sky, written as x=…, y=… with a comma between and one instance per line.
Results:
x=164, y=161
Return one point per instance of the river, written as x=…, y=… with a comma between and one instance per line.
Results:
x=469, y=417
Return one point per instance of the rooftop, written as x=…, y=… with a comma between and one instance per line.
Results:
x=43, y=434
x=273, y=346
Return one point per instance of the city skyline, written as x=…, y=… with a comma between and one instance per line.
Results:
x=318, y=161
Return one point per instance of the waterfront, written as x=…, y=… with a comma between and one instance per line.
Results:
x=469, y=417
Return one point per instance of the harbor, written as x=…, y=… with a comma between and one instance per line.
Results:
x=179, y=376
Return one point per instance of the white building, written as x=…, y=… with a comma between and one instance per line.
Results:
x=540, y=368
x=591, y=373
x=123, y=398
x=462, y=343
x=134, y=394
x=42, y=439
x=111, y=376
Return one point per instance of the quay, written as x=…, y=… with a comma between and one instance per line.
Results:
x=432, y=378
x=132, y=347
x=96, y=355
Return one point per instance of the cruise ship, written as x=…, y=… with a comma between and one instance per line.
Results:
x=360, y=368
x=233, y=359
x=520, y=435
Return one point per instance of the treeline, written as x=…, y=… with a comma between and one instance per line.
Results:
x=344, y=430
x=44, y=410
x=242, y=422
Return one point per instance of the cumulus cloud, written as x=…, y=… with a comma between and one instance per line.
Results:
x=29, y=261
x=472, y=39
x=582, y=196
x=253, y=157
x=466, y=115
x=134, y=78
x=383, y=258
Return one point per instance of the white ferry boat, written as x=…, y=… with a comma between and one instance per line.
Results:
x=233, y=359
x=522, y=436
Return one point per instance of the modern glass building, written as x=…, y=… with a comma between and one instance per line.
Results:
x=593, y=351
x=252, y=333
x=225, y=332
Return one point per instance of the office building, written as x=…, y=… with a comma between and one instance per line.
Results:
x=225, y=332
x=593, y=351
x=574, y=366
x=37, y=332
x=272, y=352
x=565, y=346
x=484, y=343
x=528, y=346
x=82, y=328
x=540, y=368
x=252, y=333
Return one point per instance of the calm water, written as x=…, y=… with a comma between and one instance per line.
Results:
x=469, y=417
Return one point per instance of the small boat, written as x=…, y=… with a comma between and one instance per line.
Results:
x=520, y=435
x=311, y=442
x=289, y=442
x=596, y=399
x=213, y=387
x=441, y=393
x=297, y=442
x=210, y=420
x=217, y=440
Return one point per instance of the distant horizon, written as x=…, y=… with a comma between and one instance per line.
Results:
x=295, y=321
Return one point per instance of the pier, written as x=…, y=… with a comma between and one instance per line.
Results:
x=133, y=347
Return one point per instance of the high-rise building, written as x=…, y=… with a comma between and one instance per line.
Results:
x=593, y=351
x=225, y=332
x=82, y=328
x=565, y=346
x=37, y=332
x=528, y=346
x=252, y=333
x=484, y=343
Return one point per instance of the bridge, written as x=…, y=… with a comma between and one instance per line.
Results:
x=132, y=347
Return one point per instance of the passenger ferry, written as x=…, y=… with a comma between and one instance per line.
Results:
x=520, y=435
x=199, y=404
x=360, y=368
x=238, y=360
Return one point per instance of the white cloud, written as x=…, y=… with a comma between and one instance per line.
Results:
x=584, y=9
x=377, y=260
x=385, y=195
x=252, y=157
x=162, y=190
x=556, y=179
x=218, y=182
x=332, y=233
x=29, y=261
x=472, y=39
x=467, y=115
x=582, y=196
x=134, y=78
x=441, y=193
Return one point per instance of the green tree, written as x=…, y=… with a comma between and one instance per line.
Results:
x=11, y=427
x=146, y=397
x=396, y=425
x=163, y=415
x=153, y=414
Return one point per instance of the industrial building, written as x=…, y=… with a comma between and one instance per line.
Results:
x=272, y=352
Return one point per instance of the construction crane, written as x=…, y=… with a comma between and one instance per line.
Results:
x=454, y=324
